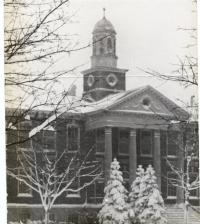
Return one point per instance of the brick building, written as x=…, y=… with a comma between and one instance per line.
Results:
x=135, y=126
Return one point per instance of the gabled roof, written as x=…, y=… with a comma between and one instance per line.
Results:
x=113, y=101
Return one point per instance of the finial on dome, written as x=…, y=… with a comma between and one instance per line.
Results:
x=104, y=12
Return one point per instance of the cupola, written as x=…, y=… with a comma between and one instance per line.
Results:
x=103, y=78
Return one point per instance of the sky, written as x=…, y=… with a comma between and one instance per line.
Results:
x=147, y=37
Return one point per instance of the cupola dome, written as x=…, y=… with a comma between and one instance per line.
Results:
x=103, y=25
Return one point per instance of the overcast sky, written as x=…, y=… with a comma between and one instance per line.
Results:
x=147, y=37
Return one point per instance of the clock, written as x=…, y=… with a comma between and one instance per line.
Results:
x=111, y=79
x=90, y=80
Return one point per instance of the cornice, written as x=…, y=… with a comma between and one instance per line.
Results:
x=104, y=69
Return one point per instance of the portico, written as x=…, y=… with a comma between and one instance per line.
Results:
x=132, y=141
x=135, y=133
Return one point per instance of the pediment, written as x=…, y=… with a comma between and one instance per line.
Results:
x=147, y=100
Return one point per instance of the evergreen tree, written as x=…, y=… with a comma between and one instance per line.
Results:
x=145, y=199
x=114, y=208
x=134, y=195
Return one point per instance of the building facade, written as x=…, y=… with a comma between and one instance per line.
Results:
x=135, y=126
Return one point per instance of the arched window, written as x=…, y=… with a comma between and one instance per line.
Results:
x=101, y=49
x=109, y=44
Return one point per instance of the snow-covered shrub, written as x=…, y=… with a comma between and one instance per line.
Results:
x=146, y=202
x=114, y=208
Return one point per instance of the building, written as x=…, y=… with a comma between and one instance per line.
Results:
x=135, y=126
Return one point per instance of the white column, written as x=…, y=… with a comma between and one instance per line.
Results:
x=108, y=151
x=132, y=156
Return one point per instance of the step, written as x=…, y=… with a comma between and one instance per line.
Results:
x=175, y=215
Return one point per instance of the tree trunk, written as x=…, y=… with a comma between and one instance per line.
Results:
x=46, y=217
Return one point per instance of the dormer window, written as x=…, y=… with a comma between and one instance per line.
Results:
x=73, y=138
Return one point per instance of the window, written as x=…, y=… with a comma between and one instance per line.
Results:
x=49, y=138
x=73, y=138
x=111, y=79
x=109, y=44
x=163, y=142
x=49, y=156
x=90, y=80
x=72, y=219
x=23, y=132
x=125, y=169
x=95, y=192
x=146, y=103
x=146, y=142
x=23, y=189
x=75, y=185
x=100, y=141
x=171, y=188
x=99, y=188
x=172, y=144
x=101, y=49
x=123, y=146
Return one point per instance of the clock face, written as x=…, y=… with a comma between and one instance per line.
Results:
x=90, y=80
x=111, y=79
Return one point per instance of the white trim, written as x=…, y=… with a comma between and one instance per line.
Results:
x=171, y=197
x=172, y=157
x=27, y=195
x=24, y=205
x=25, y=149
x=194, y=197
x=76, y=195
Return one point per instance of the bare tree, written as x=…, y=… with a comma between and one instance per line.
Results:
x=186, y=67
x=183, y=177
x=36, y=38
x=185, y=182
x=52, y=174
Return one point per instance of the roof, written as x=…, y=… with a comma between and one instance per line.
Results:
x=111, y=101
x=79, y=106
x=103, y=25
